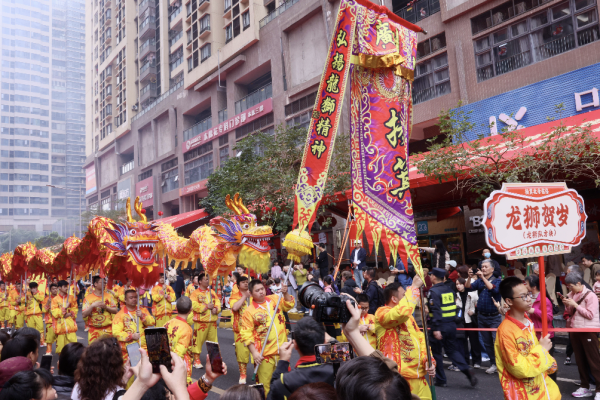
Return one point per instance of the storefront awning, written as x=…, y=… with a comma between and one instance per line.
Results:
x=534, y=137
x=184, y=219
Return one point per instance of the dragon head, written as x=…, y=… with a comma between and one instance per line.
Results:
x=138, y=240
x=246, y=238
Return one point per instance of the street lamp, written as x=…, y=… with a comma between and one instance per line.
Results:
x=73, y=190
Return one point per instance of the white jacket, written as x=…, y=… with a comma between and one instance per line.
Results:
x=472, y=298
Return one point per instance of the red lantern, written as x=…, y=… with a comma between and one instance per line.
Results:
x=143, y=211
x=160, y=213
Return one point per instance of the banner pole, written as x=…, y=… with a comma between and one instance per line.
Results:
x=343, y=248
x=425, y=333
x=542, y=277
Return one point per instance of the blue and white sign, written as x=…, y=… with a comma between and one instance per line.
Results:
x=422, y=227
x=535, y=104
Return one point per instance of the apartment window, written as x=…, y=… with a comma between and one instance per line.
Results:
x=432, y=79
x=503, y=12
x=300, y=104
x=204, y=52
x=223, y=149
x=417, y=11
x=201, y=167
x=300, y=121
x=170, y=180
x=222, y=115
x=145, y=175
x=262, y=124
x=551, y=32
x=205, y=23
x=228, y=33
x=431, y=45
x=246, y=19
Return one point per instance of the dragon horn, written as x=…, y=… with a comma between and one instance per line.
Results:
x=239, y=203
x=129, y=217
x=138, y=209
x=231, y=204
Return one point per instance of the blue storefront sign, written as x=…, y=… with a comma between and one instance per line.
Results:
x=422, y=227
x=576, y=91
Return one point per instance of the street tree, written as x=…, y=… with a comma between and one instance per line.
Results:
x=52, y=239
x=480, y=166
x=11, y=239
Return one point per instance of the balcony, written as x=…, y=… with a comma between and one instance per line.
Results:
x=107, y=4
x=418, y=11
x=108, y=93
x=276, y=12
x=128, y=166
x=148, y=92
x=108, y=75
x=149, y=46
x=227, y=12
x=197, y=129
x=147, y=28
x=203, y=5
x=254, y=98
x=173, y=17
x=204, y=31
x=108, y=17
x=175, y=38
x=144, y=6
x=147, y=72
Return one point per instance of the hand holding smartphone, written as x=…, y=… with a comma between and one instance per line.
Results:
x=133, y=350
x=159, y=351
x=214, y=355
x=261, y=390
x=46, y=362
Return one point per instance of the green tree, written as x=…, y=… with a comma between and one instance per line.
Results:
x=480, y=166
x=13, y=238
x=52, y=239
x=265, y=173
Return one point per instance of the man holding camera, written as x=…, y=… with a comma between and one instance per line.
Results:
x=308, y=333
x=399, y=337
x=255, y=324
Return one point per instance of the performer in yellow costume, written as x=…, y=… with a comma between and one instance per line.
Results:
x=523, y=362
x=35, y=301
x=124, y=326
x=180, y=333
x=17, y=307
x=399, y=337
x=239, y=302
x=64, y=310
x=48, y=318
x=192, y=286
x=4, y=309
x=162, y=296
x=121, y=292
x=255, y=324
x=99, y=309
x=206, y=306
x=367, y=321
x=241, y=272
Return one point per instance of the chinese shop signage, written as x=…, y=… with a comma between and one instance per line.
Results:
x=531, y=220
x=145, y=190
x=257, y=111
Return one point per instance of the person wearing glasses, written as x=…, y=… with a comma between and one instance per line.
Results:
x=523, y=361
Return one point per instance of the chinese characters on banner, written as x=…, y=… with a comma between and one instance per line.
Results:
x=525, y=220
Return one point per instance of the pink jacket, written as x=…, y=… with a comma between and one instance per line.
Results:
x=536, y=316
x=586, y=314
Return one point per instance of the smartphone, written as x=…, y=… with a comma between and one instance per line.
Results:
x=559, y=294
x=214, y=355
x=159, y=351
x=292, y=337
x=133, y=350
x=46, y=362
x=333, y=353
x=323, y=353
x=261, y=390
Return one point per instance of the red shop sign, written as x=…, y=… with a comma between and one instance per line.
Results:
x=193, y=188
x=144, y=189
x=532, y=220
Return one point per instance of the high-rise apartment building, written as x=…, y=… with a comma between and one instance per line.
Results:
x=42, y=127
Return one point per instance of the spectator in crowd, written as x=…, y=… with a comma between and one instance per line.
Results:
x=467, y=302
x=8, y=368
x=276, y=286
x=532, y=284
x=315, y=391
x=292, y=286
x=518, y=366
x=597, y=283
x=581, y=311
x=327, y=282
x=366, y=322
x=276, y=271
x=487, y=254
x=29, y=385
x=372, y=290
x=358, y=258
x=488, y=288
x=307, y=334
x=589, y=268
x=439, y=254
x=402, y=276
x=100, y=374
x=348, y=284
x=199, y=389
x=4, y=337
x=239, y=392
x=179, y=285
x=67, y=364
x=323, y=260
x=21, y=346
x=451, y=268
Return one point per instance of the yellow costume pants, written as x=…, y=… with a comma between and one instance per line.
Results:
x=242, y=354
x=4, y=315
x=65, y=339
x=36, y=322
x=265, y=372
x=161, y=321
x=96, y=333
x=420, y=387
x=17, y=318
x=203, y=331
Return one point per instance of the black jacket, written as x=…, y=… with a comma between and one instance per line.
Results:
x=362, y=258
x=348, y=288
x=373, y=295
x=64, y=386
x=284, y=383
x=178, y=286
x=323, y=264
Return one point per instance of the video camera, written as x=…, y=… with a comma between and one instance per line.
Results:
x=326, y=307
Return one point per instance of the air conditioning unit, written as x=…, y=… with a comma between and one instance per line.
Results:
x=134, y=107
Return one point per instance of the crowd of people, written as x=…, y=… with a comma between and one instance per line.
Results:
x=385, y=331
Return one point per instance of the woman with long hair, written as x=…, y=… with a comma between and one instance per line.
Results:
x=439, y=254
x=29, y=385
x=100, y=372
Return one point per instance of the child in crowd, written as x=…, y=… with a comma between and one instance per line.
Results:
x=597, y=283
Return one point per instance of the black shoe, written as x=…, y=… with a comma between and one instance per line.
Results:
x=440, y=384
x=472, y=378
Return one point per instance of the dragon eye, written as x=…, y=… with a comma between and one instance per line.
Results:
x=246, y=226
x=132, y=232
